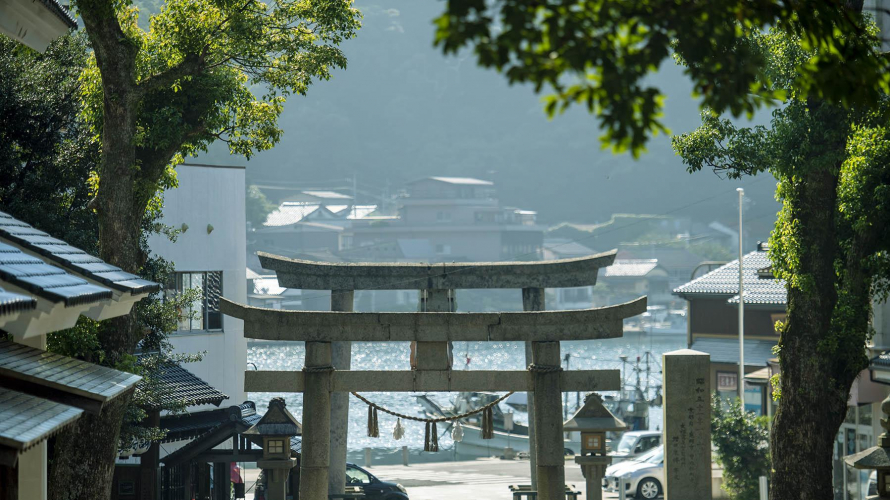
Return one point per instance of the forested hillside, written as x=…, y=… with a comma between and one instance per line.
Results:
x=402, y=110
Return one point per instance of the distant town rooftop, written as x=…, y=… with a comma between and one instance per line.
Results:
x=634, y=268
x=468, y=181
x=328, y=195
x=760, y=287
x=292, y=212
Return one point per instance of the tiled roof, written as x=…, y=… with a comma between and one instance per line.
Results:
x=725, y=281
x=352, y=212
x=332, y=195
x=277, y=421
x=61, y=12
x=769, y=291
x=49, y=282
x=201, y=428
x=191, y=425
x=290, y=213
x=881, y=361
x=13, y=302
x=74, y=259
x=68, y=376
x=630, y=268
x=467, y=181
x=27, y=420
x=757, y=352
x=176, y=385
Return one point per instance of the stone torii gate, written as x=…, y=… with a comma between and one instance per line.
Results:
x=326, y=380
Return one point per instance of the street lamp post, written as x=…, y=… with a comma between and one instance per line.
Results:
x=741, y=384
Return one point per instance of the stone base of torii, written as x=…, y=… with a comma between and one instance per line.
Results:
x=326, y=379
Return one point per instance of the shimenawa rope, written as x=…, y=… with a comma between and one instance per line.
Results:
x=431, y=434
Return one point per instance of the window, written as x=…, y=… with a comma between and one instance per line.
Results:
x=276, y=446
x=727, y=381
x=356, y=476
x=203, y=313
x=443, y=216
x=443, y=249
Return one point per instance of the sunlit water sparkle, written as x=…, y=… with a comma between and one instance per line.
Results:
x=586, y=355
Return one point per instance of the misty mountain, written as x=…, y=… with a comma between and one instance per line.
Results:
x=402, y=110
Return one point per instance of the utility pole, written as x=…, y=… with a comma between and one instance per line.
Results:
x=565, y=404
x=741, y=383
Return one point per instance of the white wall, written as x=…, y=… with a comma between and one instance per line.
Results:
x=215, y=196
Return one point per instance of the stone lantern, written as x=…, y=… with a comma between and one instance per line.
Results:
x=877, y=457
x=276, y=428
x=592, y=421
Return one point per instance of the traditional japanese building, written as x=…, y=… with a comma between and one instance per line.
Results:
x=47, y=285
x=712, y=314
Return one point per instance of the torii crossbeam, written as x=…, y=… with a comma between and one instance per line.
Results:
x=326, y=375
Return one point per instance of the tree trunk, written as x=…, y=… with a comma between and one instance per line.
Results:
x=84, y=456
x=814, y=397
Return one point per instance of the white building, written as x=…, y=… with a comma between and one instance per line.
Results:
x=211, y=255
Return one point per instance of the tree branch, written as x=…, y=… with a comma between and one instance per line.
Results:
x=190, y=66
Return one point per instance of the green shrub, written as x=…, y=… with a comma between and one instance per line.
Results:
x=742, y=442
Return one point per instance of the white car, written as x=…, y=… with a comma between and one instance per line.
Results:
x=634, y=444
x=642, y=477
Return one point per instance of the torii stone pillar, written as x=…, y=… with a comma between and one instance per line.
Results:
x=550, y=466
x=316, y=456
x=341, y=357
x=435, y=355
x=532, y=300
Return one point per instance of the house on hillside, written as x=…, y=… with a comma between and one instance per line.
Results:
x=456, y=218
x=580, y=297
x=679, y=262
x=311, y=224
x=45, y=286
x=628, y=279
x=618, y=229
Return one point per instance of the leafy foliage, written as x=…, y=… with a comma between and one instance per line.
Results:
x=158, y=316
x=742, y=443
x=807, y=136
x=46, y=150
x=829, y=244
x=598, y=54
x=258, y=207
x=200, y=65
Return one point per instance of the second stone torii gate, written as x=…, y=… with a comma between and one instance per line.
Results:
x=329, y=334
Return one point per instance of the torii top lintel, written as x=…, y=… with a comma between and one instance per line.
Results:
x=542, y=326
x=311, y=275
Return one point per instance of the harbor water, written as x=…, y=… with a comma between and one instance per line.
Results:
x=584, y=355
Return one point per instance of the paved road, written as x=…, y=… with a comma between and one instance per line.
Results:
x=477, y=479
x=468, y=480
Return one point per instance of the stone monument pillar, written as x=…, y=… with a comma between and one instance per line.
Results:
x=341, y=355
x=687, y=425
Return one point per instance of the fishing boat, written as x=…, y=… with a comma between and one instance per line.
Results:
x=508, y=432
